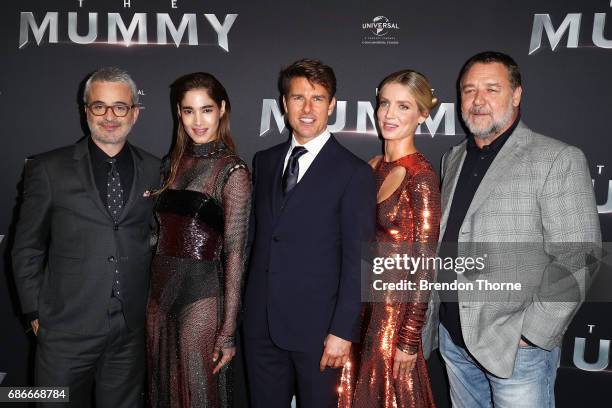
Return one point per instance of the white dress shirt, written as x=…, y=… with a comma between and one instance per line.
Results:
x=314, y=147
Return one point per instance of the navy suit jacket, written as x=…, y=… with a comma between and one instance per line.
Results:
x=304, y=271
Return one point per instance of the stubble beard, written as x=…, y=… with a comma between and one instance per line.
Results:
x=494, y=128
x=109, y=140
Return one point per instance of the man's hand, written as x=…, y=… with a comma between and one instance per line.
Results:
x=34, y=324
x=403, y=363
x=336, y=352
x=523, y=343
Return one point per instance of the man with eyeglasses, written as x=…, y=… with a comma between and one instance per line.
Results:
x=82, y=252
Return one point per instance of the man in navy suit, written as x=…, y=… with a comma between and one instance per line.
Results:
x=314, y=206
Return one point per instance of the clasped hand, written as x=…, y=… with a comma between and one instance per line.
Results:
x=335, y=352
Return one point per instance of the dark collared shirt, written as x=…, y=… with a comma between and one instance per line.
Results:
x=477, y=162
x=100, y=167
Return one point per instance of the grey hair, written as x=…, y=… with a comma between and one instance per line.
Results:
x=111, y=74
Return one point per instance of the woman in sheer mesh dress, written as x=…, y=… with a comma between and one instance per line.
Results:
x=202, y=210
x=388, y=369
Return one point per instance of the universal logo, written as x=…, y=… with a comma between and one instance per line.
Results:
x=380, y=31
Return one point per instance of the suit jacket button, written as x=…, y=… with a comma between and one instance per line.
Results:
x=111, y=259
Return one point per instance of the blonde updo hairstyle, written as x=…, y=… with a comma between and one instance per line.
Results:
x=419, y=87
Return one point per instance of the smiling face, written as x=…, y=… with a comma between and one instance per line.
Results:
x=109, y=129
x=200, y=115
x=489, y=105
x=398, y=114
x=308, y=105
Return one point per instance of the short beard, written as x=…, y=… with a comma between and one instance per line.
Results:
x=103, y=139
x=495, y=127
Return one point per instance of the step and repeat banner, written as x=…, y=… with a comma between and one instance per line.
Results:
x=564, y=49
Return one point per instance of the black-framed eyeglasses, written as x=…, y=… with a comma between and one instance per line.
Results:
x=100, y=109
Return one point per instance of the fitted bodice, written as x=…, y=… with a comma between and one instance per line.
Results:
x=191, y=211
x=407, y=214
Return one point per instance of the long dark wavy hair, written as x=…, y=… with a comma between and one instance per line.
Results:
x=216, y=91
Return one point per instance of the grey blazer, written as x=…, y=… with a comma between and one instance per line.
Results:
x=67, y=246
x=536, y=198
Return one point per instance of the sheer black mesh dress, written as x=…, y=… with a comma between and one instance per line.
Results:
x=196, y=277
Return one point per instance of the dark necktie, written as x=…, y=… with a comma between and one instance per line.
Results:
x=114, y=199
x=114, y=191
x=290, y=177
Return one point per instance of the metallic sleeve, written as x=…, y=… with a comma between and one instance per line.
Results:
x=425, y=200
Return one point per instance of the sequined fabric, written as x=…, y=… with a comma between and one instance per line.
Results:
x=411, y=215
x=196, y=278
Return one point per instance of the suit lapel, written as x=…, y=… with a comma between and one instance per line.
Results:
x=320, y=167
x=137, y=183
x=508, y=156
x=85, y=173
x=451, y=176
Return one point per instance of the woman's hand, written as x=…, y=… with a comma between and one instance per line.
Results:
x=403, y=363
x=226, y=355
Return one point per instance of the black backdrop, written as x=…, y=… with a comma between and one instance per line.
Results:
x=566, y=95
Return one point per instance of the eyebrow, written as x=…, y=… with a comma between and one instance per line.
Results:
x=490, y=83
x=201, y=107
x=114, y=103
x=381, y=99
x=313, y=96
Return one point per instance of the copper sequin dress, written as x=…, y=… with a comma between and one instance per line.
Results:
x=407, y=221
x=196, y=277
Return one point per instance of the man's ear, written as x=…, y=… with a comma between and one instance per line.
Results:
x=516, y=96
x=136, y=113
x=331, y=107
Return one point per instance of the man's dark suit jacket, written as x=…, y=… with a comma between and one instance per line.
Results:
x=67, y=246
x=304, y=271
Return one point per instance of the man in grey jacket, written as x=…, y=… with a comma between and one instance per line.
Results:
x=524, y=203
x=82, y=252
